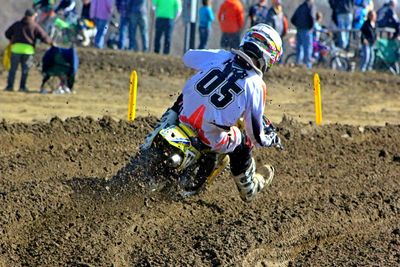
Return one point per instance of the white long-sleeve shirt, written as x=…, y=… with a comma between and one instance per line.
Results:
x=218, y=95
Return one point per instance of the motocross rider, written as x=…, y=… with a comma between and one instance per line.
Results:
x=229, y=86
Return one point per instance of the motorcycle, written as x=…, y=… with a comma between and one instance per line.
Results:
x=113, y=34
x=185, y=163
x=80, y=32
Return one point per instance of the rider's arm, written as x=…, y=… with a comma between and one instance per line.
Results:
x=253, y=115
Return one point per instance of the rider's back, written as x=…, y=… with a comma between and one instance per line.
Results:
x=220, y=92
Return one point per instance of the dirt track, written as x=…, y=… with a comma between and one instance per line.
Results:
x=335, y=200
x=103, y=84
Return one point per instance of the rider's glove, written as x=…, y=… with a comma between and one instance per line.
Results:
x=274, y=140
x=267, y=125
x=272, y=136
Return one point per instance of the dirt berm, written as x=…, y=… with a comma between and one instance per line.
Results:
x=335, y=200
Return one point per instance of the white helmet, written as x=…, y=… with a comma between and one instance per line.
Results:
x=262, y=43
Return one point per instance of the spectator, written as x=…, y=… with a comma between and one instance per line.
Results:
x=276, y=18
x=231, y=19
x=258, y=13
x=167, y=11
x=138, y=17
x=23, y=35
x=87, y=26
x=318, y=27
x=46, y=13
x=68, y=10
x=303, y=19
x=343, y=12
x=368, y=38
x=361, y=9
x=43, y=5
x=319, y=47
x=100, y=12
x=123, y=10
x=206, y=17
x=85, y=9
x=387, y=17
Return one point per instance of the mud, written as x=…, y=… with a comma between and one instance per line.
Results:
x=335, y=201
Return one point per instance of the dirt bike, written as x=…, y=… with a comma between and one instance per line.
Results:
x=325, y=54
x=80, y=32
x=178, y=154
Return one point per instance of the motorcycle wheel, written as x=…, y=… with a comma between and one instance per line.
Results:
x=193, y=179
x=339, y=63
x=291, y=59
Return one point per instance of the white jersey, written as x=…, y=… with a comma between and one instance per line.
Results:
x=218, y=95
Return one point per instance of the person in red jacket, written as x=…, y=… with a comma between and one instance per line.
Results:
x=231, y=20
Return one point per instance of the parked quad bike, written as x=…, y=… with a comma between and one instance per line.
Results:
x=183, y=163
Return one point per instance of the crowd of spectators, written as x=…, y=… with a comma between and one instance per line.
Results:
x=348, y=16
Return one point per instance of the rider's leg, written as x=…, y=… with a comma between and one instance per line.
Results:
x=170, y=117
x=243, y=168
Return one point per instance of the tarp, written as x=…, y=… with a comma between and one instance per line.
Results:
x=59, y=61
x=7, y=57
x=58, y=57
x=388, y=50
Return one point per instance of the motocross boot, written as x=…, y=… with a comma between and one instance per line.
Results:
x=170, y=117
x=251, y=183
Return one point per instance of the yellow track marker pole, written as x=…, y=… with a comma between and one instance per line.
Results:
x=132, y=96
x=318, y=100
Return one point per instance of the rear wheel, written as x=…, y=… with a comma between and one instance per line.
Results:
x=194, y=179
x=291, y=59
x=339, y=63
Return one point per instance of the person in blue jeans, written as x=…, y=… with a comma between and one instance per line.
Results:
x=123, y=10
x=303, y=19
x=343, y=10
x=206, y=17
x=368, y=39
x=138, y=18
x=100, y=12
x=167, y=11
